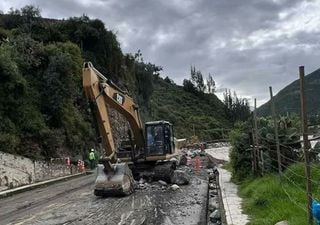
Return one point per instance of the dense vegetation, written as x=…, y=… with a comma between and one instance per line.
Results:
x=242, y=139
x=288, y=99
x=42, y=107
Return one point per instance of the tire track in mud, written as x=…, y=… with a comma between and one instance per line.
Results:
x=38, y=200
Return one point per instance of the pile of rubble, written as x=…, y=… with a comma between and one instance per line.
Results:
x=180, y=176
x=187, y=168
x=215, y=205
x=159, y=185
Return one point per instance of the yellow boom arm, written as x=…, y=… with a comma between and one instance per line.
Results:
x=103, y=92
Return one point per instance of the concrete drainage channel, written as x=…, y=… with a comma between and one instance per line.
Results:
x=216, y=212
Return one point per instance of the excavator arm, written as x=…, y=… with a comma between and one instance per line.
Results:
x=103, y=92
x=113, y=177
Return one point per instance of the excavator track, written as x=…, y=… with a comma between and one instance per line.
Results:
x=154, y=171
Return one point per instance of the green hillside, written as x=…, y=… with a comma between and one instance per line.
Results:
x=43, y=110
x=204, y=113
x=288, y=99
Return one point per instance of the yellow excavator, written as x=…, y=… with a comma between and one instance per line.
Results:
x=148, y=151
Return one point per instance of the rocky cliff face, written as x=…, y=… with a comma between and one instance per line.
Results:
x=119, y=126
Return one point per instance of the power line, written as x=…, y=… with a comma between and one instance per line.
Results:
x=288, y=195
x=294, y=202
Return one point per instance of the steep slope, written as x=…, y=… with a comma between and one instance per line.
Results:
x=288, y=99
x=43, y=110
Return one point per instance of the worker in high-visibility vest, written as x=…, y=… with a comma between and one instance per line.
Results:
x=92, y=159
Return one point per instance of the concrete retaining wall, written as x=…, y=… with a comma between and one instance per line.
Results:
x=16, y=171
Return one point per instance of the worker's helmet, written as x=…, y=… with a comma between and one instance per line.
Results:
x=92, y=150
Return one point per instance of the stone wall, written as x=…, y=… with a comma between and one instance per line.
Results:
x=16, y=171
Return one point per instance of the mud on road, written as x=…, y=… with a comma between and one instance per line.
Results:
x=73, y=202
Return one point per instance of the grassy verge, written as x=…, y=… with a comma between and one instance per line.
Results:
x=268, y=200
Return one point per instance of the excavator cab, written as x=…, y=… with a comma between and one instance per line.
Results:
x=159, y=138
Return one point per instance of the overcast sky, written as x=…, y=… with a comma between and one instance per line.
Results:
x=246, y=45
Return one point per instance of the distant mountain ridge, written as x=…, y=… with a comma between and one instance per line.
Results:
x=288, y=99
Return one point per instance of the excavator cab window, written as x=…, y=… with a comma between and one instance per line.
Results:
x=159, y=138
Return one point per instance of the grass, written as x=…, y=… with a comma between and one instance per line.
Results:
x=268, y=200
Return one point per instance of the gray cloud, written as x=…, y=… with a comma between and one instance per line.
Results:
x=247, y=45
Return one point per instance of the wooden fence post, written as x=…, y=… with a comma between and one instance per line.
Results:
x=305, y=144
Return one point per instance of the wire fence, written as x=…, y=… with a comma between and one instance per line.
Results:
x=288, y=155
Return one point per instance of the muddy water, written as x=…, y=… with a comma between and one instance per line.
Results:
x=232, y=202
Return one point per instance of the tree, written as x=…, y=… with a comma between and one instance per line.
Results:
x=197, y=79
x=193, y=75
x=13, y=11
x=30, y=11
x=168, y=80
x=237, y=108
x=189, y=86
x=211, y=84
x=240, y=156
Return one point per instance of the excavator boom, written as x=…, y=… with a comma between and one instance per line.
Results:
x=113, y=178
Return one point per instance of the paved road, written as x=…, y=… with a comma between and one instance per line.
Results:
x=73, y=202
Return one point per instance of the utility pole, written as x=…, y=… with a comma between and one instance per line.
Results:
x=194, y=131
x=259, y=155
x=275, y=124
x=305, y=143
x=254, y=152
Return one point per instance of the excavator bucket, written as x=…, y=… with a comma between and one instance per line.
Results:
x=118, y=182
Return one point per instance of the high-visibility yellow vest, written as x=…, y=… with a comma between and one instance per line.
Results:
x=91, y=156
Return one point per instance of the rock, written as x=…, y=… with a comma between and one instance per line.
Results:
x=212, y=186
x=183, y=160
x=213, y=205
x=180, y=177
x=211, y=162
x=282, y=223
x=141, y=181
x=136, y=185
x=183, y=214
x=212, y=177
x=163, y=183
x=174, y=187
x=215, y=215
x=214, y=192
x=174, y=160
x=214, y=198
